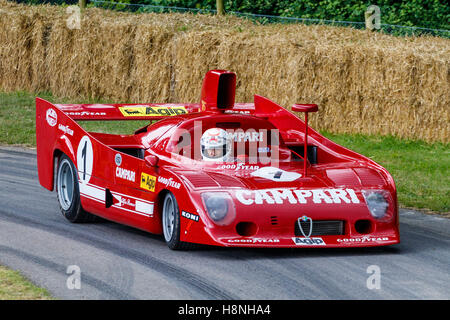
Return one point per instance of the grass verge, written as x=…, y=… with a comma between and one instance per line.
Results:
x=13, y=286
x=421, y=170
x=18, y=118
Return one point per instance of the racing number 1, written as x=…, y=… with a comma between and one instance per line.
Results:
x=85, y=159
x=83, y=155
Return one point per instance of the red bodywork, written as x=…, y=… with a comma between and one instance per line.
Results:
x=123, y=178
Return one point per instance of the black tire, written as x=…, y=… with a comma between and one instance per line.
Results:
x=172, y=238
x=68, y=192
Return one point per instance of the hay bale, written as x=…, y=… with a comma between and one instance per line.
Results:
x=364, y=82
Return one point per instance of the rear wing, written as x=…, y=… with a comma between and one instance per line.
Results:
x=151, y=111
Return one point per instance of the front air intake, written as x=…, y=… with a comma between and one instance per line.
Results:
x=320, y=228
x=246, y=229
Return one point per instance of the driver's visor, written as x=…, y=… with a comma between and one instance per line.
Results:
x=214, y=152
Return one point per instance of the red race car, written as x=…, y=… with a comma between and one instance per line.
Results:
x=216, y=173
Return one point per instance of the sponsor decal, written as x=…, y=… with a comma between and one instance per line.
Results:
x=263, y=149
x=253, y=240
x=86, y=113
x=239, y=166
x=148, y=182
x=362, y=239
x=315, y=241
x=52, y=117
x=190, y=216
x=65, y=129
x=152, y=111
x=123, y=202
x=238, y=111
x=125, y=174
x=281, y=196
x=118, y=159
x=250, y=136
x=169, y=182
x=276, y=174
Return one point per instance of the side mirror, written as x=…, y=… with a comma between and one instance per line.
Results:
x=305, y=107
x=152, y=160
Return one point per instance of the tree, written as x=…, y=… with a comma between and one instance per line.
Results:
x=82, y=4
x=220, y=8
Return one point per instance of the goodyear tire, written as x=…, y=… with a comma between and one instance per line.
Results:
x=68, y=192
x=171, y=224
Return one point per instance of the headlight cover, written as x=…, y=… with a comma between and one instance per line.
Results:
x=219, y=206
x=378, y=202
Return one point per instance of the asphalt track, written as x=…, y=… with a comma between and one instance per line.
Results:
x=119, y=262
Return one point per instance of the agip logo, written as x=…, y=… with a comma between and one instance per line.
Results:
x=148, y=182
x=152, y=111
x=316, y=241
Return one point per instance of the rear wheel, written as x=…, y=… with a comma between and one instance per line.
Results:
x=171, y=224
x=68, y=192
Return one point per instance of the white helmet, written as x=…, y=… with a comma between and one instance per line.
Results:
x=215, y=145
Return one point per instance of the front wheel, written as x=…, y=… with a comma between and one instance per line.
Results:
x=68, y=192
x=171, y=224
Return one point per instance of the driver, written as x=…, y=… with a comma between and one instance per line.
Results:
x=215, y=145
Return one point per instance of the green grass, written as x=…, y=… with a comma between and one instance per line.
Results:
x=420, y=170
x=17, y=118
x=13, y=286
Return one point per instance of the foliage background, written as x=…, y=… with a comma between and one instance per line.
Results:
x=432, y=14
